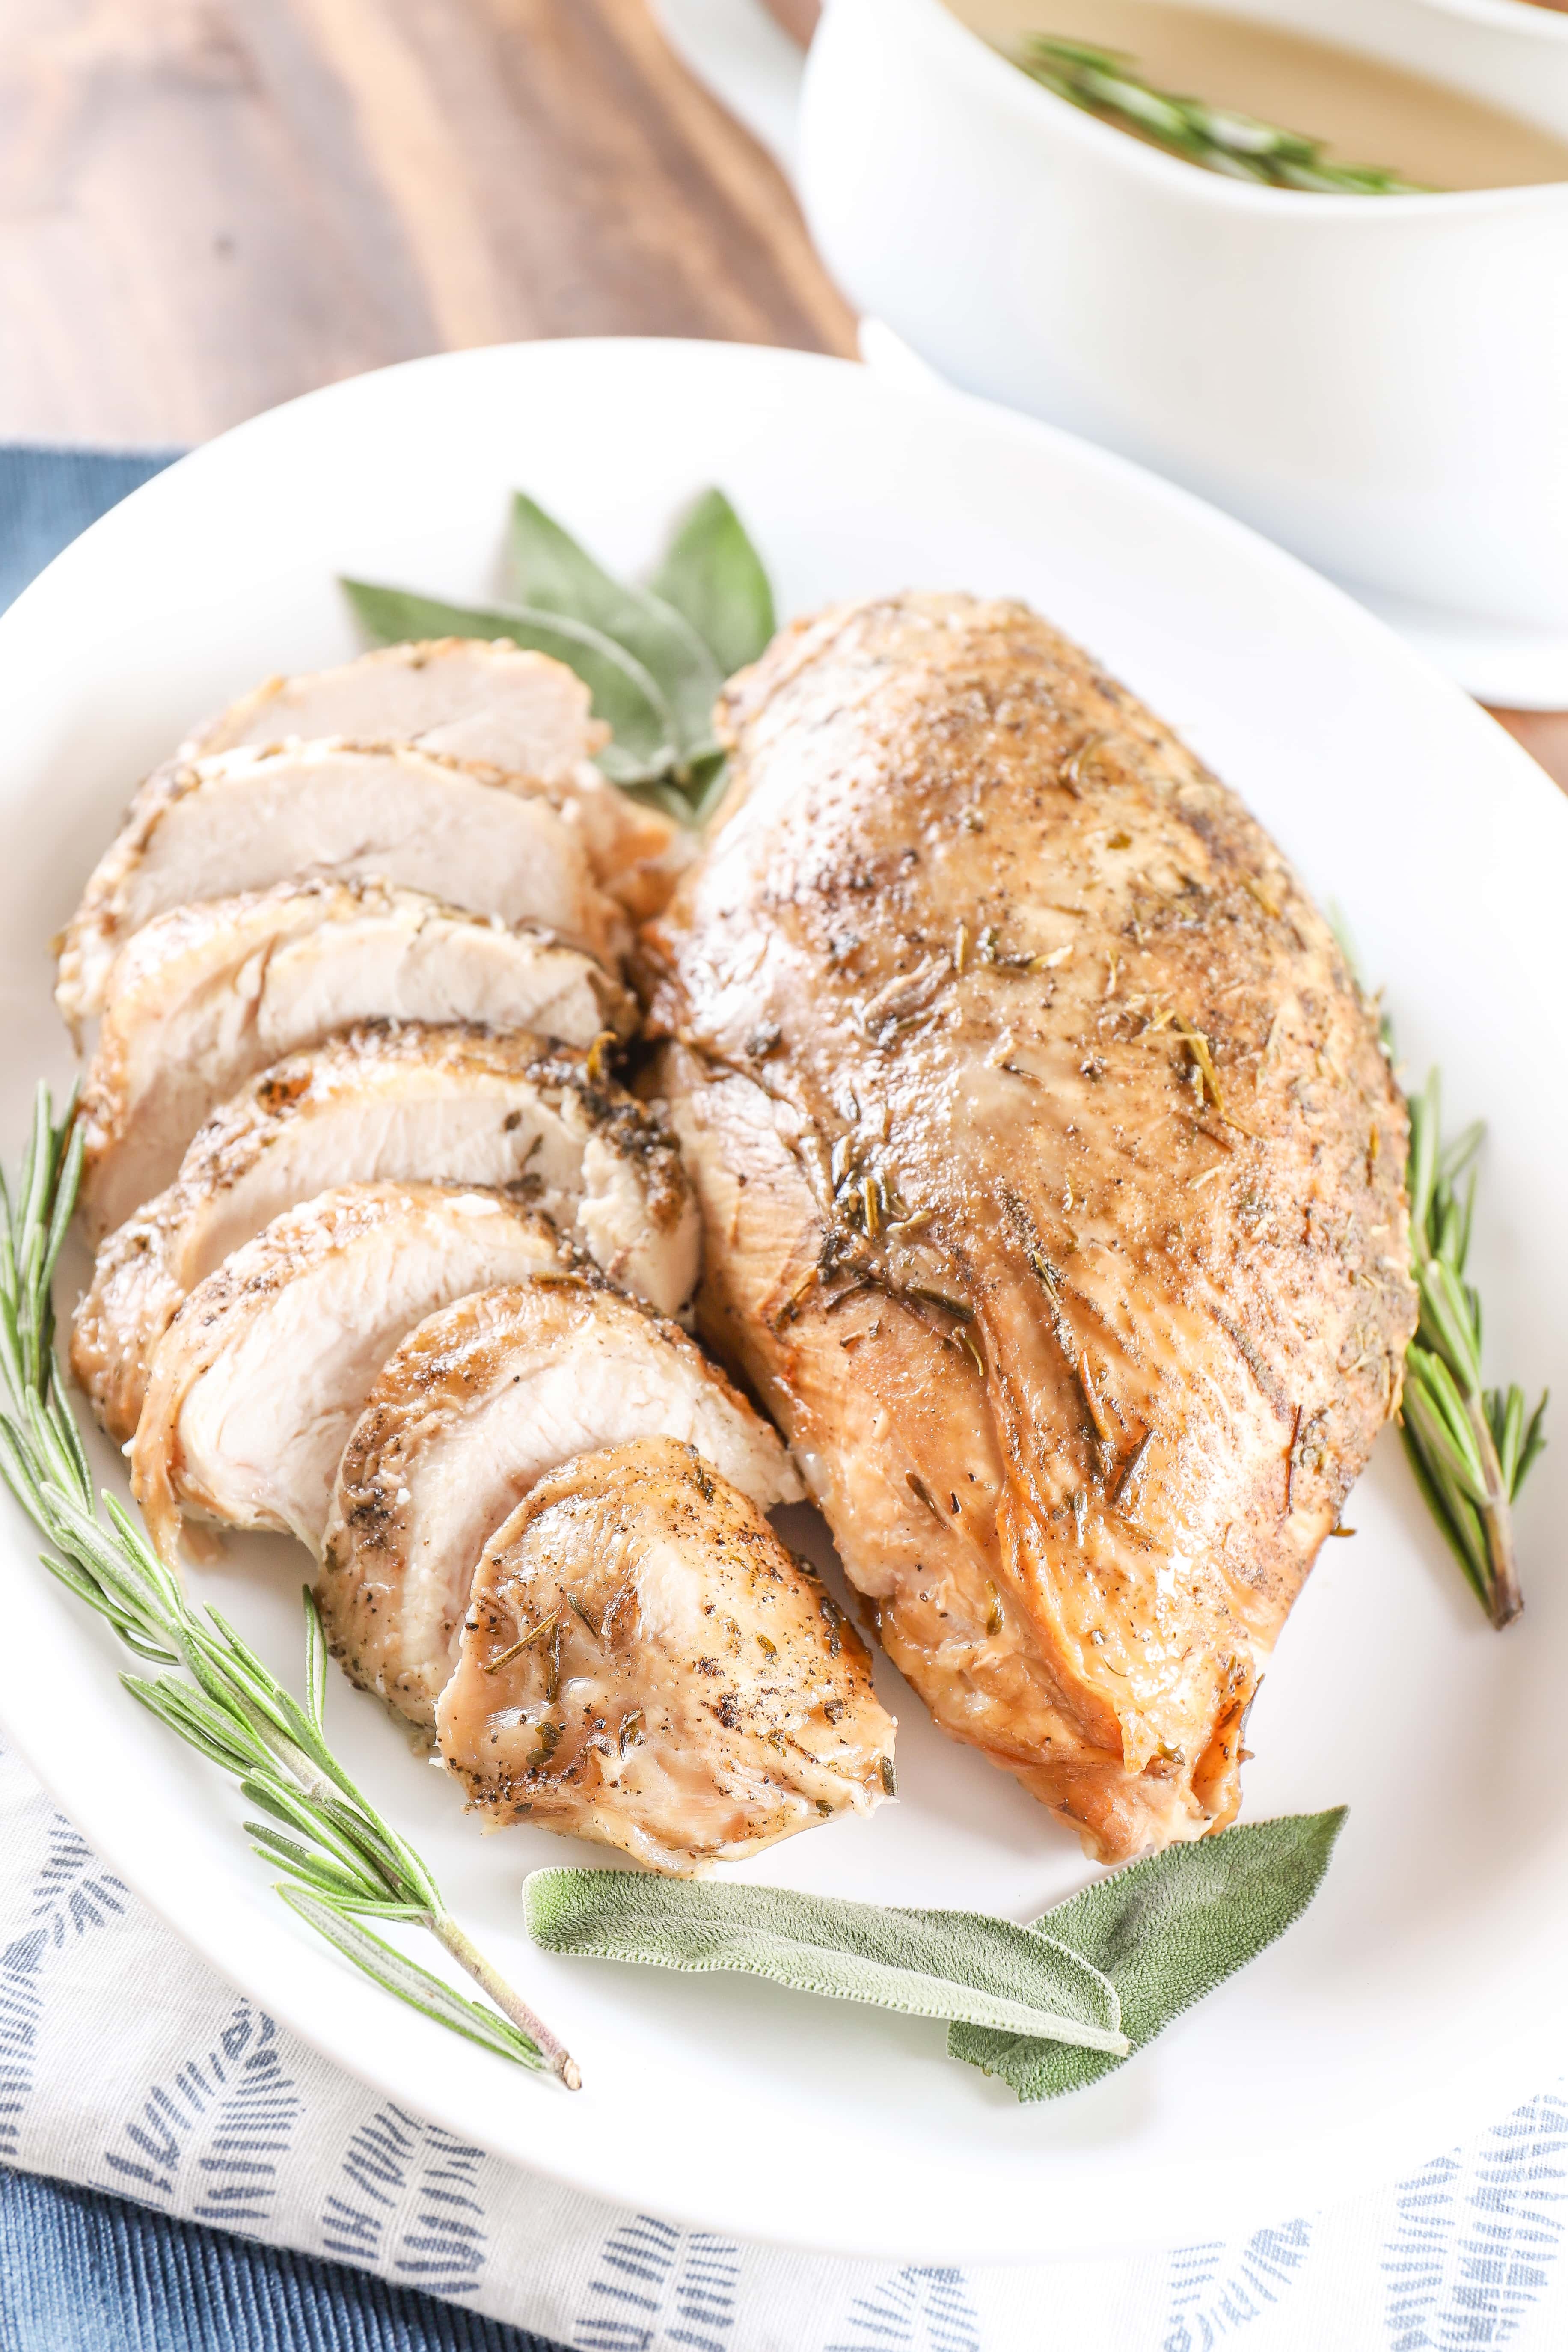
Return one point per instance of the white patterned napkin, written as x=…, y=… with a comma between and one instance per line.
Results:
x=127, y=2065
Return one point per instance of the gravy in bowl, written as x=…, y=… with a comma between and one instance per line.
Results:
x=1363, y=110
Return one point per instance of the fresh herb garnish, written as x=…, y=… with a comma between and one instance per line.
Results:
x=1049, y=2007
x=1471, y=1447
x=345, y=1863
x=938, y=1964
x=625, y=695
x=1166, y=1932
x=1107, y=83
x=553, y=574
x=653, y=659
x=712, y=572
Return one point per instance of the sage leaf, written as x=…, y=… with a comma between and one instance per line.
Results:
x=624, y=696
x=551, y=573
x=712, y=574
x=710, y=783
x=941, y=1964
x=408, y=1980
x=1166, y=1932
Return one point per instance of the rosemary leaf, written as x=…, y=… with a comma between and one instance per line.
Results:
x=239, y=1664
x=1456, y=1519
x=333, y=1880
x=207, y=1728
x=152, y=1653
x=315, y=1664
x=1107, y=83
x=408, y=1980
x=370, y=1906
x=274, y=1794
x=1470, y=1448
x=1534, y=1437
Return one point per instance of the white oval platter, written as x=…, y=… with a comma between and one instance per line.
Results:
x=1425, y=1986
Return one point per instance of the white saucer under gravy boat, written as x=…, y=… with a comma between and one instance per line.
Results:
x=1379, y=383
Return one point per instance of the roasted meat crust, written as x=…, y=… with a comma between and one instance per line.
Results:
x=698, y=1697
x=1051, y=1174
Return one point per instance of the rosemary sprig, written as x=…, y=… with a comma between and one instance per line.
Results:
x=1107, y=83
x=1471, y=1447
x=345, y=1863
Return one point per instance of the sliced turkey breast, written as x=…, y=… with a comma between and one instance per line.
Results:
x=643, y=1663
x=458, y=1104
x=466, y=697
x=489, y=704
x=246, y=819
x=475, y=1406
x=264, y=1371
x=203, y=997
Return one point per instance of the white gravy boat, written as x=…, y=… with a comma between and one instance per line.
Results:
x=1379, y=383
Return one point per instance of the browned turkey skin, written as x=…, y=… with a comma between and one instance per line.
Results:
x=1051, y=1176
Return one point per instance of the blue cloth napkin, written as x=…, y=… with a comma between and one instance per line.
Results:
x=80, y=2271
x=48, y=497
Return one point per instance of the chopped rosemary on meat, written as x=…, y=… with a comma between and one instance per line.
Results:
x=1070, y=773
x=545, y=1625
x=345, y=1863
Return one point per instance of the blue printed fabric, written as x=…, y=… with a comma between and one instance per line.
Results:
x=48, y=497
x=80, y=2271
x=226, y=2188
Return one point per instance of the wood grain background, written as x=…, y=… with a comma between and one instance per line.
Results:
x=209, y=205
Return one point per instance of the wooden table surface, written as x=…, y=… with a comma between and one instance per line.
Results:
x=209, y=205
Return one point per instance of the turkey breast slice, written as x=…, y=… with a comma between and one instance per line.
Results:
x=643, y=1664
x=468, y=698
x=203, y=997
x=489, y=704
x=476, y=1406
x=262, y=1375
x=248, y=819
x=463, y=1104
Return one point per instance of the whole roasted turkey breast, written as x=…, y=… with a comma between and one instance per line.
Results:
x=1051, y=1176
